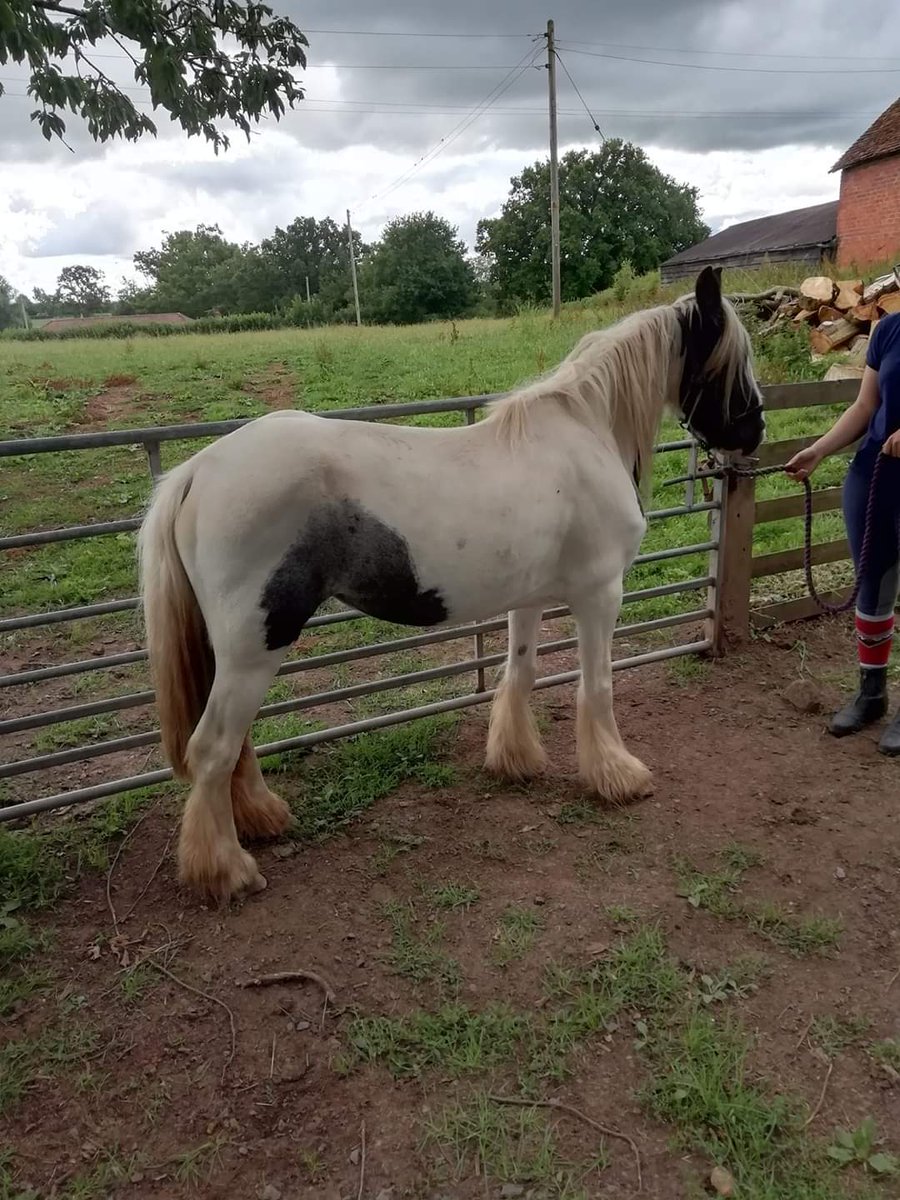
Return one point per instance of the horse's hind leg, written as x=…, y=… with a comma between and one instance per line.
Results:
x=210, y=857
x=604, y=763
x=514, y=748
x=258, y=812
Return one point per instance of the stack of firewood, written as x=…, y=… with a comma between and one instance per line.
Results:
x=840, y=314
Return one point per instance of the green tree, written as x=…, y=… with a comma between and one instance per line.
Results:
x=614, y=206
x=81, y=290
x=7, y=304
x=203, y=61
x=417, y=271
x=308, y=250
x=193, y=272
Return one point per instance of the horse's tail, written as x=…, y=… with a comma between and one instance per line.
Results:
x=181, y=658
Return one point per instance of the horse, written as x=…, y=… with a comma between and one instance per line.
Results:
x=538, y=503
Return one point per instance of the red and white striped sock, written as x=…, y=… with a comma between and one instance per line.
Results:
x=873, y=639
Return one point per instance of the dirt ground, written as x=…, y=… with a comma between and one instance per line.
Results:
x=279, y=1113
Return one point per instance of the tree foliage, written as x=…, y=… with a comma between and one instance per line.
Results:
x=7, y=304
x=417, y=271
x=82, y=289
x=203, y=61
x=614, y=207
x=193, y=272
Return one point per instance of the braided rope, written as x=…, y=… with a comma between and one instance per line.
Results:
x=824, y=606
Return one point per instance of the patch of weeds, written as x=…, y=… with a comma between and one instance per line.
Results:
x=193, y=1166
x=392, y=845
x=579, y=812
x=109, y=1168
x=711, y=891
x=453, y=896
x=313, y=1166
x=134, y=983
x=415, y=956
x=509, y=1145
x=454, y=1040
x=735, y=982
x=18, y=943
x=350, y=777
x=799, y=935
x=25, y=1061
x=9, y=1190
x=740, y=858
x=621, y=914
x=487, y=850
x=515, y=934
x=887, y=1052
x=687, y=670
x=858, y=1146
x=834, y=1034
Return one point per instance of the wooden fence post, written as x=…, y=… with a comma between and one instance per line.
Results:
x=731, y=565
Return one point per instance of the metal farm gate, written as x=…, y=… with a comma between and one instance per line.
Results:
x=727, y=549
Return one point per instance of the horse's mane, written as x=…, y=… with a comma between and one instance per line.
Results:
x=619, y=380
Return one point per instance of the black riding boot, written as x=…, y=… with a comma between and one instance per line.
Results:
x=890, y=739
x=867, y=706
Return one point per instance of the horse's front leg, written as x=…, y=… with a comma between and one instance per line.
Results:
x=605, y=765
x=514, y=749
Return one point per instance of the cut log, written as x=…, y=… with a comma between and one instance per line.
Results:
x=832, y=336
x=817, y=290
x=842, y=371
x=878, y=287
x=889, y=303
x=828, y=313
x=863, y=313
x=858, y=348
x=848, y=295
x=806, y=315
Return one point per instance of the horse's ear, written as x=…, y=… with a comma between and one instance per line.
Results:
x=709, y=291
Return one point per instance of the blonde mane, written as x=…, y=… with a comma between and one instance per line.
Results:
x=621, y=379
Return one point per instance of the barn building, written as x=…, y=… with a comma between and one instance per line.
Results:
x=860, y=228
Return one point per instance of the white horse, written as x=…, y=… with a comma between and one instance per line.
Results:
x=537, y=504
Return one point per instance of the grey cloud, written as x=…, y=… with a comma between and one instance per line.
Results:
x=734, y=109
x=100, y=231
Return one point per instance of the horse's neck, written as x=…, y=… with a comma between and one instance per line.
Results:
x=637, y=405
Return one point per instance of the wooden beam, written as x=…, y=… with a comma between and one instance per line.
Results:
x=792, y=560
x=824, y=500
x=771, y=453
x=794, y=610
x=733, y=560
x=780, y=396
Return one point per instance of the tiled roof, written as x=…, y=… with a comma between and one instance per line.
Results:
x=881, y=139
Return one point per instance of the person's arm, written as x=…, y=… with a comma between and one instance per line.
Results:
x=844, y=432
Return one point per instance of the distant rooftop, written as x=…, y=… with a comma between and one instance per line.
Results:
x=798, y=229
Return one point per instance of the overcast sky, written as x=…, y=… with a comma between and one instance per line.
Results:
x=752, y=101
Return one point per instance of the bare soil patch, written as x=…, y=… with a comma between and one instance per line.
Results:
x=735, y=765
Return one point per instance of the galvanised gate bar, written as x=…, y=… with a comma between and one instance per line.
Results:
x=723, y=607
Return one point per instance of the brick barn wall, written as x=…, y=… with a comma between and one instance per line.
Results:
x=868, y=224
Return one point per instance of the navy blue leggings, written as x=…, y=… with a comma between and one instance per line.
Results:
x=881, y=582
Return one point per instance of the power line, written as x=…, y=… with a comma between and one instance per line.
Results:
x=393, y=33
x=591, y=116
x=656, y=62
x=524, y=63
x=748, y=53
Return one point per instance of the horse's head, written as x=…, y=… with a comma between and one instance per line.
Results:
x=719, y=399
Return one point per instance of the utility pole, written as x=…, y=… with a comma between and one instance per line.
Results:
x=307, y=288
x=353, y=268
x=554, y=172
x=24, y=313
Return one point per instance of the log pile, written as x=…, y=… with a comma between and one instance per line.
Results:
x=840, y=314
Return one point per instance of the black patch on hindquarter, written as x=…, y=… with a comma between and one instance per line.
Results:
x=348, y=553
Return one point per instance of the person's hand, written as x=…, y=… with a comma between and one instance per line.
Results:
x=802, y=465
x=892, y=446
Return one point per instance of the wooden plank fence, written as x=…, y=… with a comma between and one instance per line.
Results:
x=737, y=566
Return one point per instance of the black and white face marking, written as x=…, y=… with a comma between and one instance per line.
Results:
x=732, y=422
x=346, y=552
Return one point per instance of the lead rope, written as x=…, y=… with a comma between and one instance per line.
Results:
x=759, y=472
